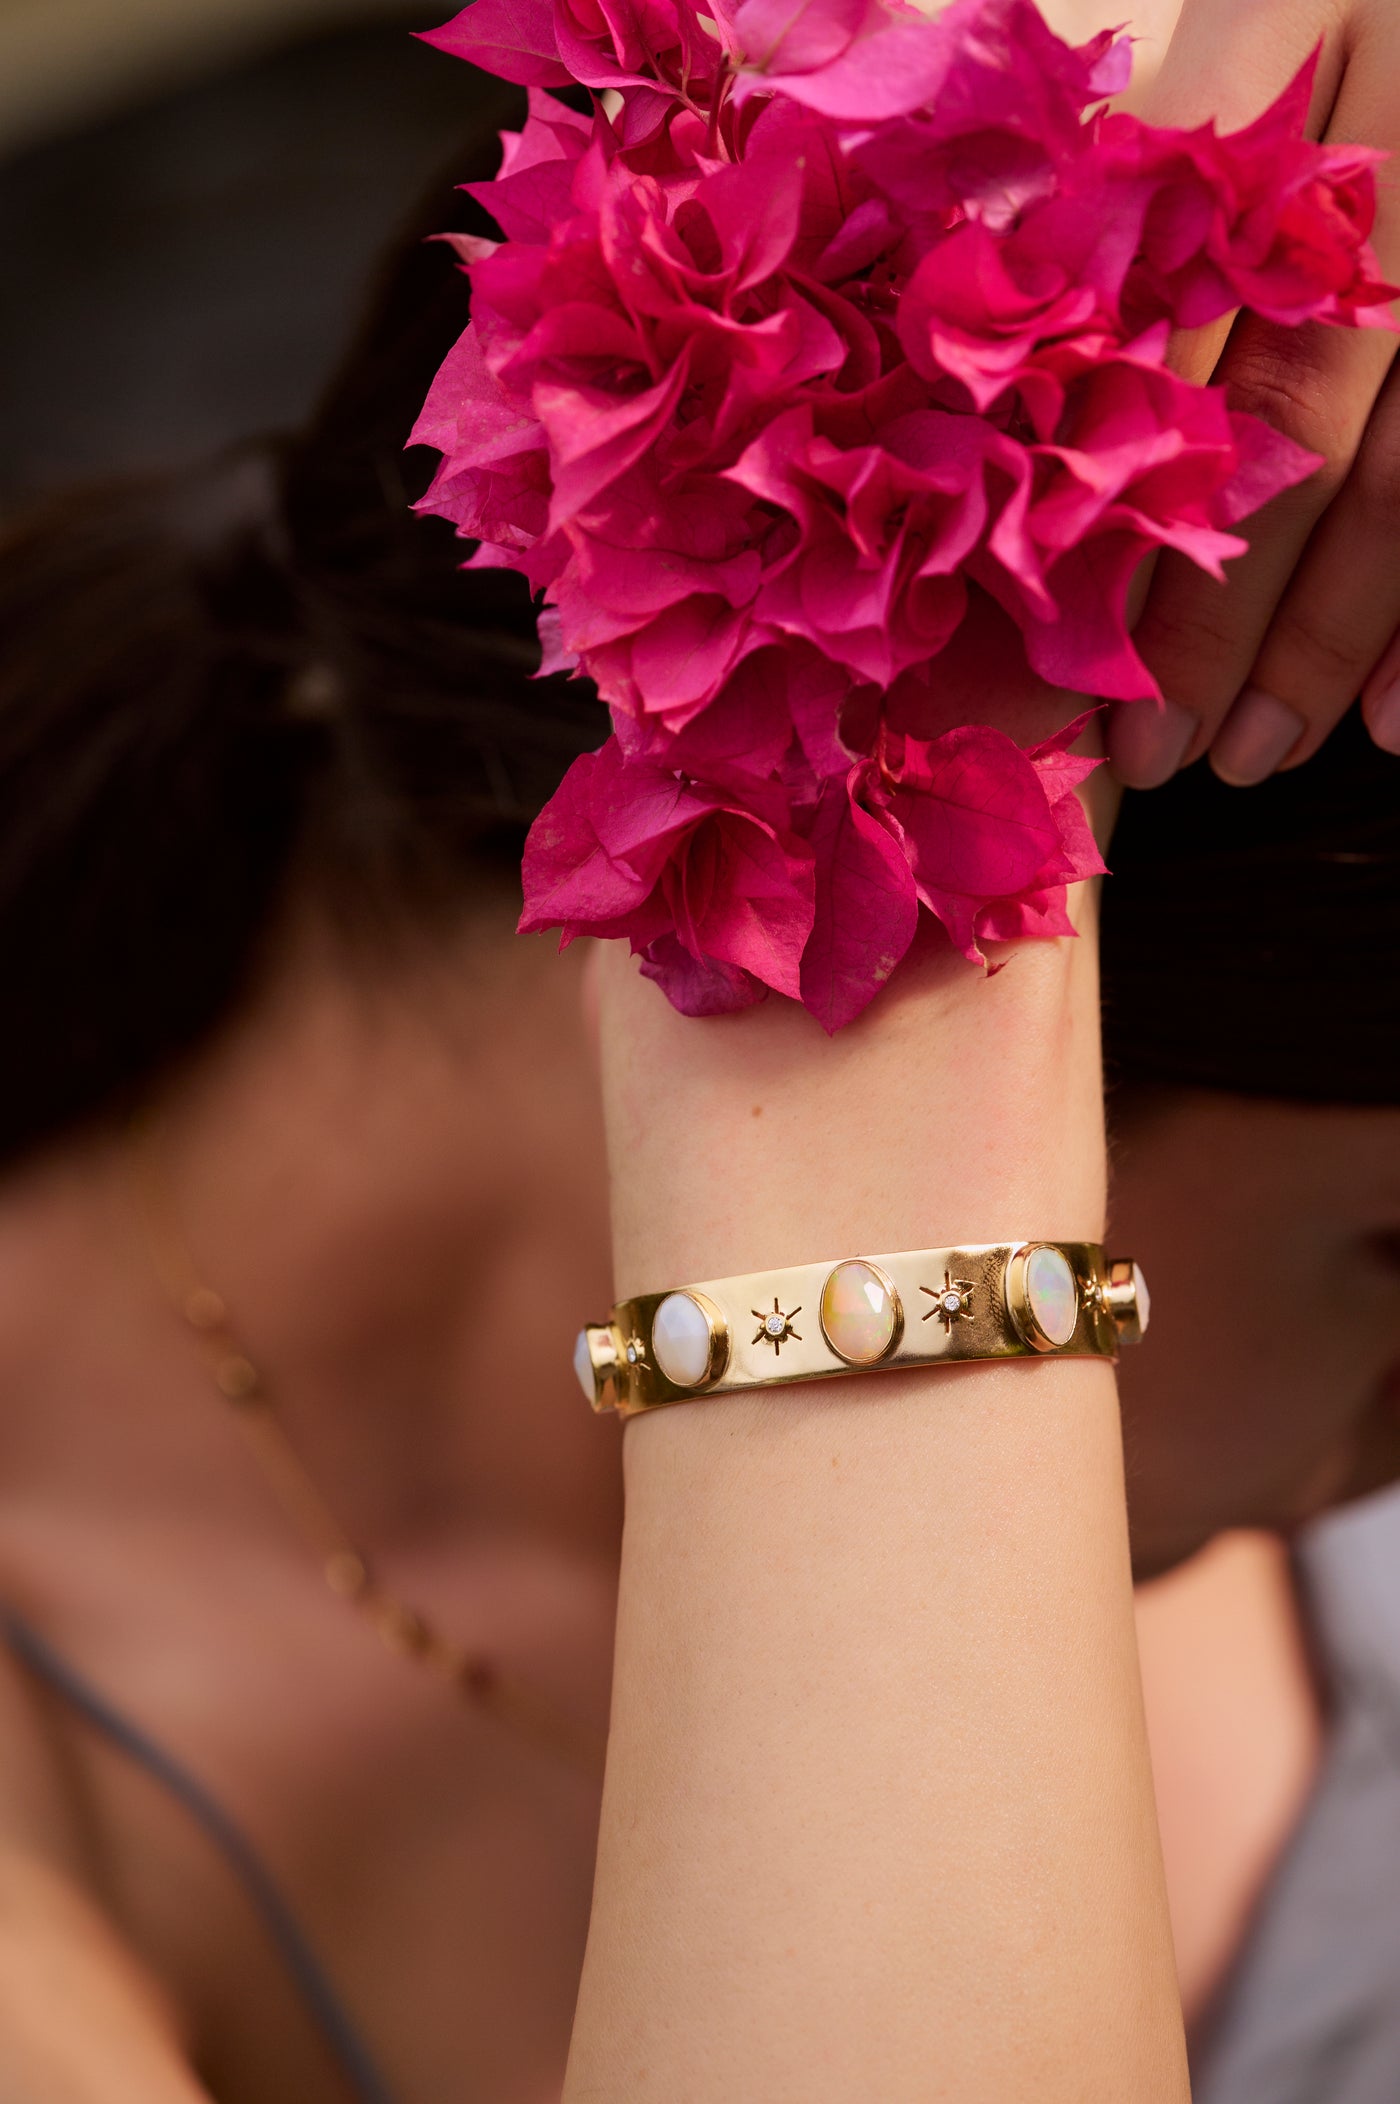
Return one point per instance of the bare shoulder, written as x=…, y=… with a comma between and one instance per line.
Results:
x=79, y=2014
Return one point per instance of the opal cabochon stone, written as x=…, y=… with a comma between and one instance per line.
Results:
x=680, y=1340
x=859, y=1314
x=1052, y=1293
x=583, y=1365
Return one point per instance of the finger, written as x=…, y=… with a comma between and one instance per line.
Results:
x=1223, y=62
x=1258, y=670
x=1380, y=702
x=1341, y=608
x=1227, y=60
x=1201, y=639
x=1158, y=28
x=1335, y=622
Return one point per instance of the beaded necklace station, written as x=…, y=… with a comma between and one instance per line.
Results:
x=473, y=1676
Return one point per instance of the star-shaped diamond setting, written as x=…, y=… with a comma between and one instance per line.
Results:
x=775, y=1329
x=952, y=1301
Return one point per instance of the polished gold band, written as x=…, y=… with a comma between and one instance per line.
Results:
x=923, y=1307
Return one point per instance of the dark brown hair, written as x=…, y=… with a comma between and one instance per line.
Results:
x=259, y=676
x=1251, y=937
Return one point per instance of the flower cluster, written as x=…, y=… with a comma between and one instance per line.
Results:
x=828, y=355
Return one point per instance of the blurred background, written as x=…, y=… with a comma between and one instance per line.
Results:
x=190, y=191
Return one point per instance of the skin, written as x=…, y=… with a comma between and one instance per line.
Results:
x=1257, y=672
x=1237, y=1727
x=136, y=1535
x=896, y=1615
x=1231, y=1420
x=358, y=1147
x=1264, y=1418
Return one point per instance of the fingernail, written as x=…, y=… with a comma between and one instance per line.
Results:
x=1148, y=741
x=1383, y=718
x=1258, y=734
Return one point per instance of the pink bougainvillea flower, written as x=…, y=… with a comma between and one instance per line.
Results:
x=534, y=188
x=872, y=576
x=665, y=50
x=513, y=39
x=1260, y=218
x=867, y=906
x=825, y=356
x=1144, y=461
x=974, y=68
x=992, y=834
x=494, y=481
x=661, y=615
x=625, y=847
x=977, y=311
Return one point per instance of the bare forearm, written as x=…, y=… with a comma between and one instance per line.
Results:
x=878, y=1818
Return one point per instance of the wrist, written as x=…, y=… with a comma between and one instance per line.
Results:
x=966, y=1108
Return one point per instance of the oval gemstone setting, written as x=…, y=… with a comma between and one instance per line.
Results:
x=859, y=1312
x=1127, y=1299
x=683, y=1341
x=583, y=1367
x=1052, y=1293
x=1142, y=1298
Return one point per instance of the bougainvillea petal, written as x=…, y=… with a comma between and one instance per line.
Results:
x=867, y=909
x=992, y=833
x=627, y=847
x=1267, y=463
x=697, y=986
x=973, y=812
x=745, y=896
x=820, y=388
x=597, y=850
x=534, y=188
x=513, y=39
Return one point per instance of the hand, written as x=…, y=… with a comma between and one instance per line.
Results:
x=1258, y=671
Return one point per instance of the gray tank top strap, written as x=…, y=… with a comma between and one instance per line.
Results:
x=362, y=2077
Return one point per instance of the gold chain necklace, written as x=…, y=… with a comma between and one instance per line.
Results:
x=402, y=1629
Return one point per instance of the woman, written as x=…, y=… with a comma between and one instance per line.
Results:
x=277, y=1060
x=266, y=760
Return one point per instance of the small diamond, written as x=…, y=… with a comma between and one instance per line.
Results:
x=952, y=1301
x=631, y=1355
x=775, y=1329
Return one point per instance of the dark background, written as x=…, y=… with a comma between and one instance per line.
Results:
x=180, y=270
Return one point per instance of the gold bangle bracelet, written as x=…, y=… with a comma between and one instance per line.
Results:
x=811, y=1322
